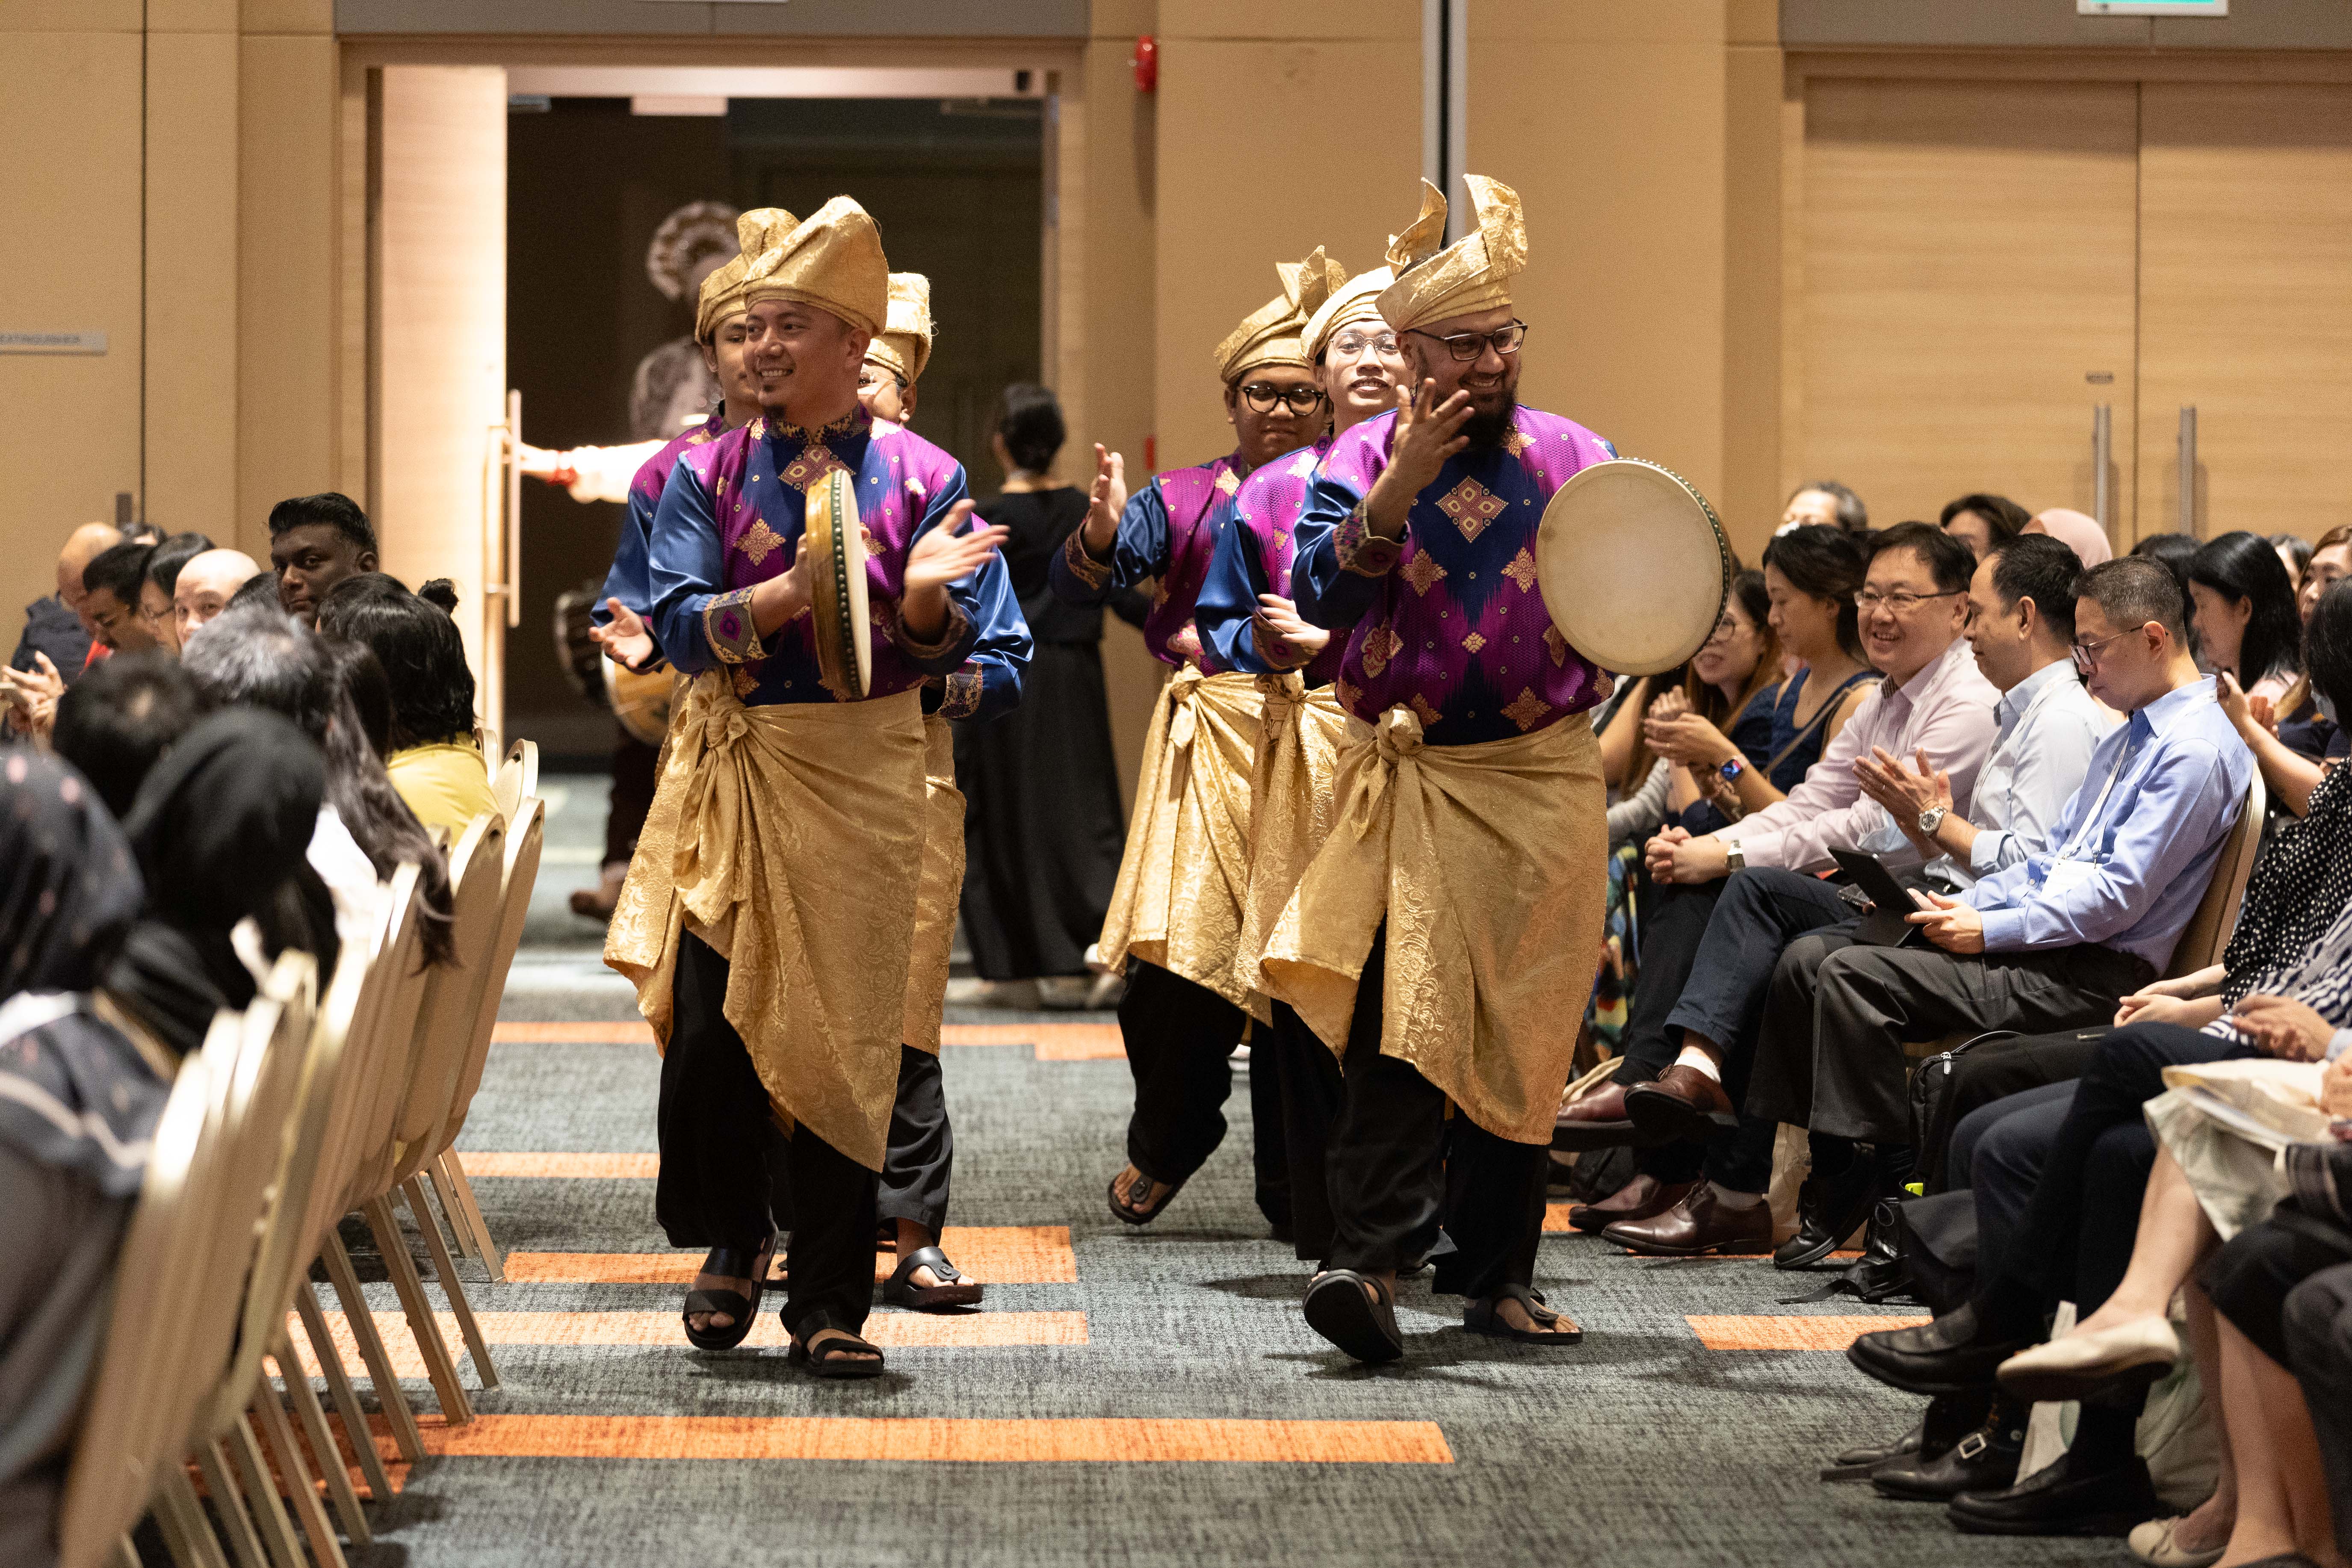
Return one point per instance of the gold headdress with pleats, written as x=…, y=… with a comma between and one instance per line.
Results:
x=903, y=346
x=831, y=259
x=1356, y=301
x=1471, y=275
x=1273, y=333
x=722, y=291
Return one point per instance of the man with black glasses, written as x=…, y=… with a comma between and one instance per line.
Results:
x=1176, y=911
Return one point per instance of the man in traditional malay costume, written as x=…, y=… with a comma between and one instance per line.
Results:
x=769, y=917
x=1248, y=623
x=1451, y=920
x=1176, y=910
x=919, y=1163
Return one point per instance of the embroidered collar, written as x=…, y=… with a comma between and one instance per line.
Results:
x=856, y=421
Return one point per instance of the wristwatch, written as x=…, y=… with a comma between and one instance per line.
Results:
x=1733, y=769
x=1931, y=819
x=1735, y=858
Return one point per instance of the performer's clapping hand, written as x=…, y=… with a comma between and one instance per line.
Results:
x=943, y=556
x=1949, y=924
x=2283, y=1027
x=1427, y=433
x=1280, y=618
x=1105, y=501
x=624, y=639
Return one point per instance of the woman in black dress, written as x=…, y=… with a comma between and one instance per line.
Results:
x=1043, y=825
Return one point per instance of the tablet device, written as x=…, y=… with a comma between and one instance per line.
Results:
x=1884, y=926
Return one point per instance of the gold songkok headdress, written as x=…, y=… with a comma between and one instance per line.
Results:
x=1471, y=275
x=903, y=346
x=722, y=291
x=1273, y=333
x=831, y=259
x=1356, y=301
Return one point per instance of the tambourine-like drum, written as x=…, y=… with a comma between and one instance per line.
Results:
x=1634, y=566
x=640, y=701
x=844, y=634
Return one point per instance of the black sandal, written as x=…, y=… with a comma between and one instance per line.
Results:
x=1480, y=1316
x=1363, y=1326
x=843, y=1356
x=953, y=1290
x=1131, y=1212
x=728, y=1261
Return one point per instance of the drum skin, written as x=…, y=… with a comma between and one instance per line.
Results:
x=1633, y=566
x=845, y=635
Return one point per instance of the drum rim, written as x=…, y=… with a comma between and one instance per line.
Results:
x=1725, y=559
x=834, y=506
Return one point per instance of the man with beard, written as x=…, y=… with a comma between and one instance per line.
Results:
x=1176, y=911
x=1454, y=909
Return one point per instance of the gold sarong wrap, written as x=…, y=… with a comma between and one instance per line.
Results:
x=1489, y=864
x=1291, y=802
x=1185, y=871
x=940, y=892
x=788, y=836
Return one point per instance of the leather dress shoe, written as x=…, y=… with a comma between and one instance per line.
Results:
x=1640, y=1198
x=1698, y=1226
x=1983, y=1461
x=1598, y=1120
x=1830, y=1207
x=1949, y=1418
x=2066, y=1498
x=1683, y=1102
x=1953, y=1354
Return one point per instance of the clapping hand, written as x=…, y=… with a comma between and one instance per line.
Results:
x=1105, y=501
x=1886, y=779
x=623, y=638
x=943, y=555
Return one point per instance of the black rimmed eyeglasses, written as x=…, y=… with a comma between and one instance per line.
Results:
x=1300, y=400
x=1468, y=346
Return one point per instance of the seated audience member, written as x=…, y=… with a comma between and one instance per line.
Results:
x=1825, y=503
x=112, y=585
x=114, y=722
x=2049, y=943
x=433, y=762
x=2077, y=531
x=204, y=586
x=1810, y=577
x=363, y=682
x=2294, y=554
x=78, y=1101
x=2174, y=550
x=2020, y=615
x=261, y=589
x=316, y=542
x=163, y=566
x=54, y=628
x=2247, y=627
x=1981, y=521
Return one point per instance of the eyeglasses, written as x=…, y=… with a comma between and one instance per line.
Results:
x=1725, y=628
x=2086, y=654
x=1299, y=400
x=1468, y=346
x=1353, y=343
x=1898, y=602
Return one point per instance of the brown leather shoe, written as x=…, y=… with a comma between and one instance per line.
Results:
x=1638, y=1199
x=1695, y=1226
x=1682, y=1103
x=1598, y=1122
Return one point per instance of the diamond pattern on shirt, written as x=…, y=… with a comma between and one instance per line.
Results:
x=759, y=542
x=1423, y=712
x=1526, y=708
x=1522, y=570
x=1471, y=506
x=1515, y=443
x=1227, y=482
x=810, y=468
x=1422, y=571
x=1473, y=642
x=1380, y=644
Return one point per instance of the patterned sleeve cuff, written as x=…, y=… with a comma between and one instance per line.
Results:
x=959, y=627
x=1361, y=550
x=1278, y=651
x=727, y=627
x=1094, y=574
x=965, y=687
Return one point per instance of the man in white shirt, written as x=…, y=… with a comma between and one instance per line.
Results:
x=2020, y=613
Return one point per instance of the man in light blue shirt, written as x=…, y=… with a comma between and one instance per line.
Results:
x=2045, y=945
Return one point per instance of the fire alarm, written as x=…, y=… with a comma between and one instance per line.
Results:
x=1146, y=61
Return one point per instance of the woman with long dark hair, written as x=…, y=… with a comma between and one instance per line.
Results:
x=2243, y=604
x=433, y=762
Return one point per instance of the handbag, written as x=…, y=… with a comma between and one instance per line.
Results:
x=1931, y=1106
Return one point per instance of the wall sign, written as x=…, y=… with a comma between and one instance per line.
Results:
x=52, y=342
x=2151, y=7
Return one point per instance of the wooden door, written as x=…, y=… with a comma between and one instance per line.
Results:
x=2246, y=304
x=1968, y=278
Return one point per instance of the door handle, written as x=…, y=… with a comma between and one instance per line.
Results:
x=2188, y=469
x=2102, y=458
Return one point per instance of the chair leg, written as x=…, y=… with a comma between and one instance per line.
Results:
x=270, y=1514
x=456, y=1408
x=126, y=1556
x=244, y=1540
x=446, y=1268
x=302, y=1488
x=180, y=1515
x=346, y=1398
x=463, y=1233
x=454, y=1169
x=323, y=1451
x=388, y=1392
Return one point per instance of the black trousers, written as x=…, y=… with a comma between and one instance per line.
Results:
x=1830, y=1054
x=2075, y=1239
x=1996, y=1155
x=1178, y=1036
x=1396, y=1165
x=717, y=1139
x=1992, y=1072
x=1311, y=1092
x=634, y=765
x=2319, y=1352
x=921, y=1161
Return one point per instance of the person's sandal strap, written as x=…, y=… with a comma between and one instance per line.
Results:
x=1139, y=1189
x=929, y=1258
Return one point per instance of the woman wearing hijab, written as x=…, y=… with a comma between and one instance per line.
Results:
x=77, y=1104
x=2077, y=531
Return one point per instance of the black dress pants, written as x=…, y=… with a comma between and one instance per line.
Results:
x=1396, y=1165
x=718, y=1138
x=1178, y=1036
x=921, y=1161
x=1312, y=1090
x=1996, y=1155
x=635, y=766
x=2319, y=1352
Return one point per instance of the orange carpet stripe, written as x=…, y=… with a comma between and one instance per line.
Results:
x=1158, y=1441
x=617, y=1032
x=992, y=1254
x=1054, y=1042
x=1791, y=1334
x=891, y=1331
x=588, y=1167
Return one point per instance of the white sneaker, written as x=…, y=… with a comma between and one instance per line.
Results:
x=2074, y=1364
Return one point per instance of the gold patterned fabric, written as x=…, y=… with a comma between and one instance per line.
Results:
x=722, y=291
x=903, y=346
x=940, y=892
x=1178, y=901
x=1489, y=864
x=1271, y=333
x=790, y=838
x=1471, y=275
x=833, y=260
x=1291, y=802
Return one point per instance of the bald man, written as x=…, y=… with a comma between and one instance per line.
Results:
x=55, y=626
x=205, y=585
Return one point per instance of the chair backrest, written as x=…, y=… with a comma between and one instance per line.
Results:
x=340, y=1150
x=524, y=833
x=445, y=1025
x=516, y=780
x=2207, y=932
x=391, y=1031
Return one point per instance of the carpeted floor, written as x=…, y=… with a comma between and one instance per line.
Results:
x=1124, y=1397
